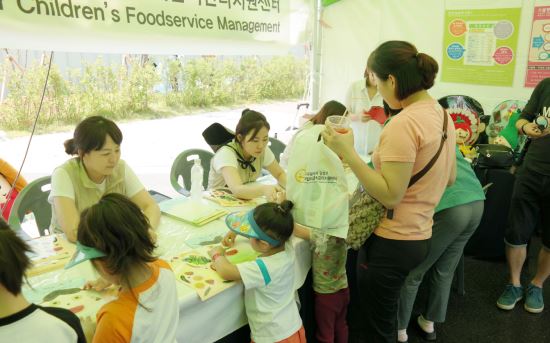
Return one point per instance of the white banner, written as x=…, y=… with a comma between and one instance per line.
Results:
x=154, y=26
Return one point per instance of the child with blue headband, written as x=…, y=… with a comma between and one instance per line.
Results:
x=269, y=280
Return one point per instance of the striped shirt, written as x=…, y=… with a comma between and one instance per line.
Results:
x=28, y=325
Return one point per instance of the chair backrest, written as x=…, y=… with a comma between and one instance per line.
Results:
x=277, y=147
x=462, y=101
x=33, y=198
x=181, y=168
x=217, y=135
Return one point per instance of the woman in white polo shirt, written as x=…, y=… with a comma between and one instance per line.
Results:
x=239, y=163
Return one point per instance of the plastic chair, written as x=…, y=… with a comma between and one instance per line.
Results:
x=277, y=147
x=33, y=198
x=182, y=168
x=462, y=101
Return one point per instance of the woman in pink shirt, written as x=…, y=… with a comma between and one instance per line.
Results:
x=407, y=144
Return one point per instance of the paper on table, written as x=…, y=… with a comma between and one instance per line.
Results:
x=212, y=238
x=193, y=212
x=49, y=253
x=225, y=198
x=39, y=291
x=194, y=268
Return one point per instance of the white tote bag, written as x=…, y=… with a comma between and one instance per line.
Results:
x=317, y=184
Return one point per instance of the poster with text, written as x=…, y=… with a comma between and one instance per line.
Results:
x=538, y=62
x=479, y=46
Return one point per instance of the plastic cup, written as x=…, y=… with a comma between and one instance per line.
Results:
x=338, y=123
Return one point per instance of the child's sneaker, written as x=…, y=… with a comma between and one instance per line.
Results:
x=510, y=297
x=533, y=299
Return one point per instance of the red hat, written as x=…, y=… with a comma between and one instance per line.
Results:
x=465, y=121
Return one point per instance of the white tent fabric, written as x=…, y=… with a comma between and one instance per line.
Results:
x=358, y=26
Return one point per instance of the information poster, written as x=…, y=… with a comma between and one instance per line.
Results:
x=479, y=46
x=538, y=62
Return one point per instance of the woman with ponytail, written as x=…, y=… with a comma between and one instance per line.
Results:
x=420, y=139
x=239, y=163
x=96, y=170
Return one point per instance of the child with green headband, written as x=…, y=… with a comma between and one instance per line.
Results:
x=115, y=236
x=269, y=280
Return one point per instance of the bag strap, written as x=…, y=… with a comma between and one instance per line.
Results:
x=430, y=164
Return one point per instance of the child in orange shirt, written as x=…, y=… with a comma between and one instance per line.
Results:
x=114, y=234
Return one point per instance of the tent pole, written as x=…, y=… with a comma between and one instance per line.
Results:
x=315, y=67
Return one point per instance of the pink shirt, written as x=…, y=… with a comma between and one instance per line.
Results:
x=414, y=136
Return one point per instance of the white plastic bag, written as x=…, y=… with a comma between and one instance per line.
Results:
x=317, y=184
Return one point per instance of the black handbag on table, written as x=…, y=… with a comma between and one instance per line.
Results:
x=493, y=156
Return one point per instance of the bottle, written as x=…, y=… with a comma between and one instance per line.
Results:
x=196, y=180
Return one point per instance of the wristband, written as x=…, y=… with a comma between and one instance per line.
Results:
x=216, y=256
x=522, y=126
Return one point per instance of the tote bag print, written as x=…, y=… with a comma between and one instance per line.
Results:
x=317, y=184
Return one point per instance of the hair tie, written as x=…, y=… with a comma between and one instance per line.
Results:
x=280, y=208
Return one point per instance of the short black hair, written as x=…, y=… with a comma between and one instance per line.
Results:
x=117, y=227
x=13, y=259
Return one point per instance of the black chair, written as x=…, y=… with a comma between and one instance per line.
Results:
x=277, y=147
x=217, y=135
x=462, y=101
x=181, y=168
x=487, y=242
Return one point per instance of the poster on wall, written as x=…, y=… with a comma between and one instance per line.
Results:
x=480, y=45
x=538, y=61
